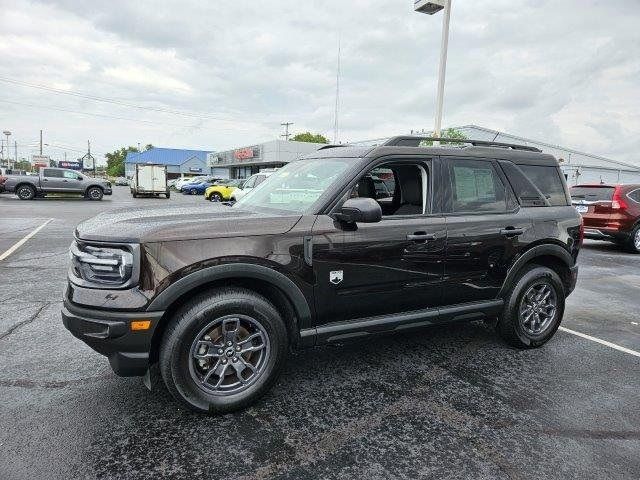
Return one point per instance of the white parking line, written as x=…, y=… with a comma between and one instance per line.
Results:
x=24, y=240
x=602, y=342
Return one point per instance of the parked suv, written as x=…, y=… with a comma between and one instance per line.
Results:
x=217, y=296
x=610, y=212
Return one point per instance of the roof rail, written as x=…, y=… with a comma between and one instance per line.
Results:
x=415, y=141
x=333, y=145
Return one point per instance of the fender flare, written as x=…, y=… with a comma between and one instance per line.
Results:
x=236, y=270
x=537, y=251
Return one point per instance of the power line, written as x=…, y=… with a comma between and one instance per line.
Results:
x=48, y=107
x=185, y=113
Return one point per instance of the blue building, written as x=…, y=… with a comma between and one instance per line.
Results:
x=179, y=162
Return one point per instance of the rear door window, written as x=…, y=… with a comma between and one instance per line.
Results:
x=592, y=194
x=476, y=187
x=548, y=181
x=51, y=173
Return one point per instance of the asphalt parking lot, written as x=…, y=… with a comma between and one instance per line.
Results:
x=450, y=402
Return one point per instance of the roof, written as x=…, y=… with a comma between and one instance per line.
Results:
x=166, y=156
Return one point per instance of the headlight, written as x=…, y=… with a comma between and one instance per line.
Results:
x=98, y=266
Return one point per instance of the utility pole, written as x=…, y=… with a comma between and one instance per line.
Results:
x=286, y=133
x=15, y=152
x=40, y=142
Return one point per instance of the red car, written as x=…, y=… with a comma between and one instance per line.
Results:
x=610, y=212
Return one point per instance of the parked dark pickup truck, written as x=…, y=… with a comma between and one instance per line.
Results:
x=55, y=180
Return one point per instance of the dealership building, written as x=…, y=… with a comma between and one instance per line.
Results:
x=578, y=167
x=179, y=162
x=244, y=161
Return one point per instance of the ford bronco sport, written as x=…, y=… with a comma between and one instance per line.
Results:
x=215, y=295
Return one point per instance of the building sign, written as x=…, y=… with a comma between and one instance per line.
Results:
x=38, y=161
x=70, y=165
x=213, y=159
x=243, y=153
x=196, y=170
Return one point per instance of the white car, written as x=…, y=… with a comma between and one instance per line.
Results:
x=252, y=182
x=182, y=180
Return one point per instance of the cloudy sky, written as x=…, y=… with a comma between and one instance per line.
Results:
x=226, y=73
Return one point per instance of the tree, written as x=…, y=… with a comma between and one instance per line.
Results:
x=447, y=133
x=115, y=160
x=22, y=165
x=310, y=138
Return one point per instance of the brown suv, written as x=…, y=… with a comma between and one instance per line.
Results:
x=610, y=212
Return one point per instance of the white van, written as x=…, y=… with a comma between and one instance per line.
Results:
x=149, y=179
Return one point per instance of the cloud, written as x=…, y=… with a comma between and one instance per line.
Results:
x=549, y=70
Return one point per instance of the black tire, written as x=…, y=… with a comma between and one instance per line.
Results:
x=633, y=243
x=177, y=365
x=26, y=192
x=215, y=197
x=511, y=325
x=134, y=194
x=94, y=193
x=168, y=193
x=193, y=191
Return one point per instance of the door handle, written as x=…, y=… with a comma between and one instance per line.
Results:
x=511, y=232
x=420, y=236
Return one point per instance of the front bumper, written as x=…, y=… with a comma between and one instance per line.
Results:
x=109, y=333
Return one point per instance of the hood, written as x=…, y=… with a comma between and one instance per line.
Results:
x=163, y=224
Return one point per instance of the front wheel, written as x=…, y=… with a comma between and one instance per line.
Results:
x=94, y=193
x=533, y=308
x=223, y=350
x=215, y=197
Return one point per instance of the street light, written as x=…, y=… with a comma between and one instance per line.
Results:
x=430, y=7
x=7, y=133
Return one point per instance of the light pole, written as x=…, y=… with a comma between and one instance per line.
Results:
x=430, y=7
x=7, y=133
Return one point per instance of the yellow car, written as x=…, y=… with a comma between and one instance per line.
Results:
x=222, y=190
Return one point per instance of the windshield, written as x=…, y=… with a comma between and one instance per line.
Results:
x=296, y=186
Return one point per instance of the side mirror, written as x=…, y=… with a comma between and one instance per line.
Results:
x=362, y=210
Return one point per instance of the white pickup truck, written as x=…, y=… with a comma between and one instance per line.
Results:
x=149, y=179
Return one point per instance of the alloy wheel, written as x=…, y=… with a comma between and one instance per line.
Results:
x=636, y=239
x=229, y=355
x=538, y=308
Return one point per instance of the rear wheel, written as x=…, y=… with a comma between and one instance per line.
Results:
x=194, y=191
x=533, y=308
x=223, y=350
x=633, y=244
x=168, y=193
x=26, y=192
x=215, y=197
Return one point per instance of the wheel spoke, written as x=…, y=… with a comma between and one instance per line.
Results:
x=230, y=327
x=211, y=352
x=248, y=365
x=211, y=371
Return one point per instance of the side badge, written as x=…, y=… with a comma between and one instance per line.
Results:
x=335, y=277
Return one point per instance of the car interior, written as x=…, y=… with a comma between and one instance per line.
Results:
x=399, y=189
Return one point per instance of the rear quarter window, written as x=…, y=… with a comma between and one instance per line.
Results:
x=548, y=181
x=592, y=194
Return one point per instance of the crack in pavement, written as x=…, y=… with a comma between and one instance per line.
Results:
x=24, y=383
x=24, y=322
